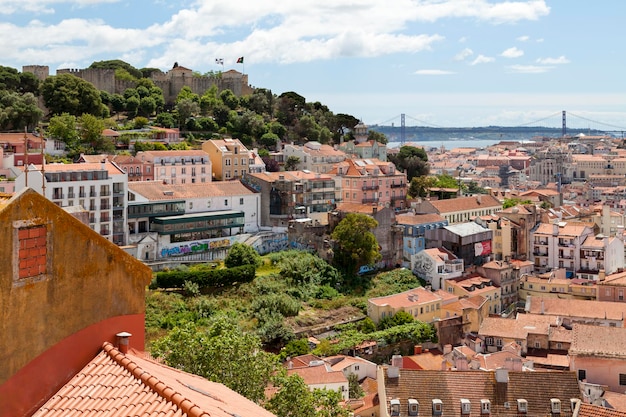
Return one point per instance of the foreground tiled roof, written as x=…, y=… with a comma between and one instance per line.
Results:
x=156, y=190
x=598, y=341
x=466, y=203
x=114, y=384
x=588, y=410
x=537, y=388
x=588, y=309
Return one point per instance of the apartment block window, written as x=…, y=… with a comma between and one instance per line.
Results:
x=203, y=170
x=582, y=374
x=622, y=379
x=57, y=193
x=227, y=162
x=620, y=295
x=225, y=202
x=241, y=201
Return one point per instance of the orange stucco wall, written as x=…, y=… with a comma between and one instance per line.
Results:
x=87, y=280
x=34, y=383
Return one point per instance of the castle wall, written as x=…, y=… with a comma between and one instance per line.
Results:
x=170, y=83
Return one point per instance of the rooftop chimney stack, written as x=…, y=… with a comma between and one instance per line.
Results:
x=123, y=341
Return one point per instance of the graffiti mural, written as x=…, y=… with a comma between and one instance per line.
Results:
x=194, y=247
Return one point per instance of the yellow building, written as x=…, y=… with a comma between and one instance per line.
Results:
x=421, y=303
x=476, y=285
x=473, y=311
x=555, y=285
x=64, y=290
x=230, y=159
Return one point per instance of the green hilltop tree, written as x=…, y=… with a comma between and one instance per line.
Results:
x=356, y=245
x=66, y=93
x=241, y=254
x=222, y=353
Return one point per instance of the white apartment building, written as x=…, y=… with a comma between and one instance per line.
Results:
x=100, y=188
x=436, y=265
x=600, y=253
x=558, y=245
x=166, y=221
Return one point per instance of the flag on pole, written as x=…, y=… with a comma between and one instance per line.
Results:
x=240, y=60
x=219, y=61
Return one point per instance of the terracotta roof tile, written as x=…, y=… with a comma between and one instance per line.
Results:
x=588, y=410
x=319, y=375
x=407, y=299
x=114, y=384
x=466, y=203
x=598, y=341
x=537, y=388
x=156, y=190
x=415, y=219
x=588, y=309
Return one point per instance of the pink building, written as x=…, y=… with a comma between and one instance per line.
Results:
x=370, y=181
x=598, y=355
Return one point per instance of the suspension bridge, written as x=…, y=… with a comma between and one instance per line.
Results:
x=558, y=124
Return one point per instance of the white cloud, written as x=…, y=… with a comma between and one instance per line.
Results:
x=280, y=31
x=512, y=53
x=530, y=69
x=9, y=7
x=553, y=61
x=523, y=38
x=433, y=72
x=463, y=54
x=482, y=59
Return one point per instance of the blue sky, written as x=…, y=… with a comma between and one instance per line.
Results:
x=441, y=62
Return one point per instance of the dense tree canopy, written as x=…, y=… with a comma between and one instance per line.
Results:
x=356, y=245
x=118, y=64
x=221, y=353
x=18, y=111
x=411, y=160
x=241, y=254
x=66, y=93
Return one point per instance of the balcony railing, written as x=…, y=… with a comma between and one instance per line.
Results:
x=397, y=197
x=105, y=193
x=58, y=196
x=396, y=185
x=369, y=200
x=370, y=187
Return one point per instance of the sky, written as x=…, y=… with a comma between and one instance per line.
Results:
x=441, y=63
